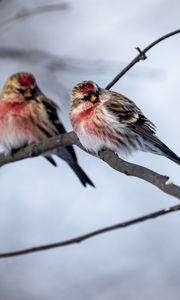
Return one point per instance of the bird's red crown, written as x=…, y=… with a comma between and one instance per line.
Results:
x=26, y=80
x=87, y=86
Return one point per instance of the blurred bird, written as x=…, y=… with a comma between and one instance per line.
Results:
x=104, y=119
x=27, y=115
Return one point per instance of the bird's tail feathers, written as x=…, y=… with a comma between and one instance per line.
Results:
x=81, y=174
x=161, y=149
x=170, y=154
x=67, y=155
x=51, y=160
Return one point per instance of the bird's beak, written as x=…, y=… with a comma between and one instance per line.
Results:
x=27, y=94
x=93, y=98
x=32, y=94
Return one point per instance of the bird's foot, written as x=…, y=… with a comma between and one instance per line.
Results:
x=101, y=150
x=13, y=151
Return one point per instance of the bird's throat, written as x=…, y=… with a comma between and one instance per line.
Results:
x=84, y=115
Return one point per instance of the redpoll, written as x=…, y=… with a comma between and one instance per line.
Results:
x=27, y=115
x=104, y=119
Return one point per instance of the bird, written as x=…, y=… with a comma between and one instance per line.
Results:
x=28, y=116
x=104, y=119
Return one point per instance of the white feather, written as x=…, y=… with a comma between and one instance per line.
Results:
x=10, y=135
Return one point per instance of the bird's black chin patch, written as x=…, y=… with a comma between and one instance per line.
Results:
x=92, y=97
x=29, y=94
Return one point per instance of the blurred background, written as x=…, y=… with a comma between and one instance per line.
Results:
x=63, y=45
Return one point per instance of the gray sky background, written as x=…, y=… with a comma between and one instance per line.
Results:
x=41, y=204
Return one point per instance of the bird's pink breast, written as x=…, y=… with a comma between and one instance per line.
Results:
x=6, y=108
x=87, y=122
x=16, y=124
x=84, y=116
x=94, y=130
x=11, y=112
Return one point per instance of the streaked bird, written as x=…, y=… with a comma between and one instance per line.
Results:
x=105, y=119
x=27, y=116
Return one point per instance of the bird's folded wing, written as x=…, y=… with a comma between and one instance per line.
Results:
x=52, y=111
x=129, y=114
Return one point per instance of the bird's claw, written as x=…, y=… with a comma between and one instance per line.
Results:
x=102, y=150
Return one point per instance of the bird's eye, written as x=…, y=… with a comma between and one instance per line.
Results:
x=92, y=97
x=85, y=98
x=21, y=91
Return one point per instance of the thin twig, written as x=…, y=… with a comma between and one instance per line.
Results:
x=26, y=13
x=91, y=234
x=139, y=57
x=120, y=165
x=162, y=182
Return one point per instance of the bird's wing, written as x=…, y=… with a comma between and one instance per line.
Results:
x=130, y=115
x=52, y=110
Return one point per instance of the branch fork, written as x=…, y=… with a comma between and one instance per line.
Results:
x=112, y=159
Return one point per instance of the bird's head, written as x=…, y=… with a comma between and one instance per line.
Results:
x=87, y=93
x=19, y=87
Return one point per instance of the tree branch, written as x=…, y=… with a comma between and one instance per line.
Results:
x=160, y=181
x=67, y=139
x=26, y=13
x=91, y=234
x=139, y=57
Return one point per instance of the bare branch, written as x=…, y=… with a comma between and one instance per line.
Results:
x=139, y=57
x=160, y=181
x=120, y=165
x=91, y=234
x=25, y=13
